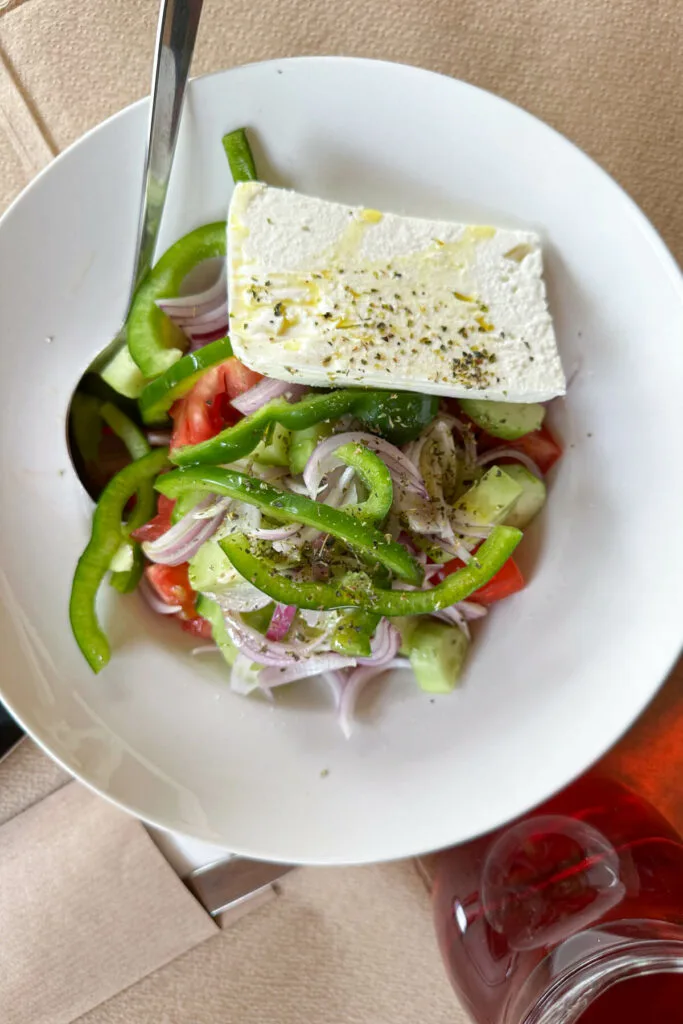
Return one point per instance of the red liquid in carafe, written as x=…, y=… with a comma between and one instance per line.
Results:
x=653, y=999
x=536, y=891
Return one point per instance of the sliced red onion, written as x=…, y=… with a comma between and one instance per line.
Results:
x=282, y=619
x=199, y=303
x=430, y=517
x=264, y=651
x=455, y=549
x=183, y=540
x=384, y=645
x=432, y=570
x=278, y=533
x=466, y=436
x=403, y=473
x=254, y=468
x=154, y=601
x=453, y=617
x=265, y=391
x=472, y=609
x=510, y=453
x=461, y=552
x=198, y=341
x=356, y=682
x=204, y=321
x=317, y=665
x=336, y=680
x=159, y=438
x=295, y=486
x=203, y=317
x=338, y=488
x=467, y=529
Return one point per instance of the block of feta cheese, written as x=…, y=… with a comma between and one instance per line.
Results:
x=333, y=295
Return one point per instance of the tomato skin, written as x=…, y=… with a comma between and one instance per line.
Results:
x=507, y=581
x=206, y=409
x=539, y=445
x=161, y=522
x=172, y=584
x=197, y=626
x=238, y=377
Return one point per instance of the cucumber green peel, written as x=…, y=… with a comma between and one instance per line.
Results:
x=507, y=420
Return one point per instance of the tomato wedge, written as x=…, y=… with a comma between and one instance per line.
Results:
x=238, y=377
x=197, y=627
x=507, y=581
x=161, y=522
x=541, y=446
x=206, y=409
x=172, y=584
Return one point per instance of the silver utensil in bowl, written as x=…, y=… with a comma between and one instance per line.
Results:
x=176, y=35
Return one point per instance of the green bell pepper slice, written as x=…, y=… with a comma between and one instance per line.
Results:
x=357, y=590
x=154, y=341
x=124, y=428
x=396, y=415
x=240, y=156
x=295, y=508
x=126, y=580
x=88, y=414
x=159, y=395
x=108, y=532
x=352, y=636
x=145, y=501
x=376, y=478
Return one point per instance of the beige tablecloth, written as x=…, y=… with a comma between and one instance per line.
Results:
x=341, y=945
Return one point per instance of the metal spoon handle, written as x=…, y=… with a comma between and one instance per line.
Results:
x=176, y=34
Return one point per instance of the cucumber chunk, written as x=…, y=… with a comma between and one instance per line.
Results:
x=124, y=375
x=185, y=503
x=210, y=568
x=530, y=501
x=210, y=611
x=491, y=499
x=303, y=444
x=508, y=420
x=273, y=450
x=437, y=654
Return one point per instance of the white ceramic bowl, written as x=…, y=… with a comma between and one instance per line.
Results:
x=556, y=674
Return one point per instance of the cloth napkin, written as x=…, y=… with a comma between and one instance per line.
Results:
x=97, y=928
x=88, y=907
x=340, y=946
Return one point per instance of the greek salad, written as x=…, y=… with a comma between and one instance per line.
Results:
x=322, y=463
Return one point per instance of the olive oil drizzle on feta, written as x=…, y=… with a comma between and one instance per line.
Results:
x=379, y=324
